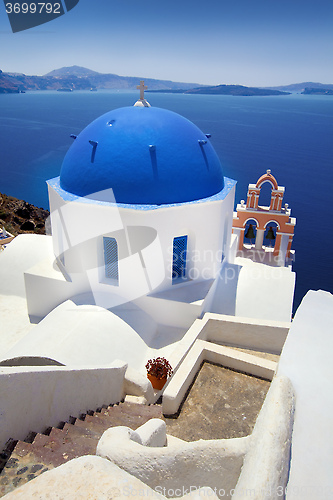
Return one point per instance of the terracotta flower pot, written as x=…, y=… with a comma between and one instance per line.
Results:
x=157, y=383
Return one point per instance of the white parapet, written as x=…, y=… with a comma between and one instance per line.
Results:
x=234, y=242
x=307, y=360
x=33, y=398
x=153, y=433
x=258, y=334
x=136, y=384
x=92, y=477
x=178, y=466
x=265, y=470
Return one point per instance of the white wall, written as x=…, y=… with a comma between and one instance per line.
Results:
x=234, y=242
x=32, y=399
x=18, y=258
x=264, y=291
x=45, y=292
x=307, y=360
x=265, y=471
x=168, y=312
x=260, y=335
x=104, y=481
x=283, y=249
x=178, y=466
x=24, y=251
x=145, y=244
x=252, y=290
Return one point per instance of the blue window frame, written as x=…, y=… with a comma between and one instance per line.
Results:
x=111, y=258
x=179, y=258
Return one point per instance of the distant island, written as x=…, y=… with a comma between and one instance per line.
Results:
x=317, y=91
x=300, y=87
x=79, y=78
x=226, y=90
x=72, y=78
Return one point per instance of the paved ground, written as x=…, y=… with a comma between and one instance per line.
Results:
x=222, y=403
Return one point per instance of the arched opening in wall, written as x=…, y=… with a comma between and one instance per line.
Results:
x=111, y=259
x=179, y=259
x=30, y=361
x=265, y=195
x=250, y=232
x=270, y=234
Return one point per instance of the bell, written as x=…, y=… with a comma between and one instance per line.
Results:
x=250, y=233
x=270, y=234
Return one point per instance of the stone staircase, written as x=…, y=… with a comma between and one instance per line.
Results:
x=22, y=461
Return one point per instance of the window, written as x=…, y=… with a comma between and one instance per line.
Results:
x=111, y=258
x=179, y=258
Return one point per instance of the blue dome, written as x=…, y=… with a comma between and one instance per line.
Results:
x=148, y=156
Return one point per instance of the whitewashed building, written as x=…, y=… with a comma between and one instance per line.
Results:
x=141, y=206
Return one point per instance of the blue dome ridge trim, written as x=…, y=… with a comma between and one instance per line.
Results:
x=70, y=197
x=146, y=155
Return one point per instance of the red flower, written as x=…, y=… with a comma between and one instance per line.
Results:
x=159, y=367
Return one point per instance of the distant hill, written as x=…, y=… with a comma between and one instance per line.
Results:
x=23, y=82
x=317, y=91
x=72, y=70
x=226, y=90
x=299, y=87
x=6, y=85
x=79, y=78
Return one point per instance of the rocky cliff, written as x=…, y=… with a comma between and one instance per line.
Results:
x=18, y=216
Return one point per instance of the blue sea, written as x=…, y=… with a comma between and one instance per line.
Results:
x=291, y=135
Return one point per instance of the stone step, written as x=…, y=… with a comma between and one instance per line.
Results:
x=74, y=439
x=137, y=409
x=106, y=421
x=78, y=432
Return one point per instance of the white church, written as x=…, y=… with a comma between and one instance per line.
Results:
x=142, y=261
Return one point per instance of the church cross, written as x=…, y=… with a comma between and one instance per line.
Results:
x=142, y=89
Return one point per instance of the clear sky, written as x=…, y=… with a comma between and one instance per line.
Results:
x=248, y=42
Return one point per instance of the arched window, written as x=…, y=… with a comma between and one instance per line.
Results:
x=250, y=231
x=271, y=228
x=265, y=194
x=179, y=258
x=111, y=258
